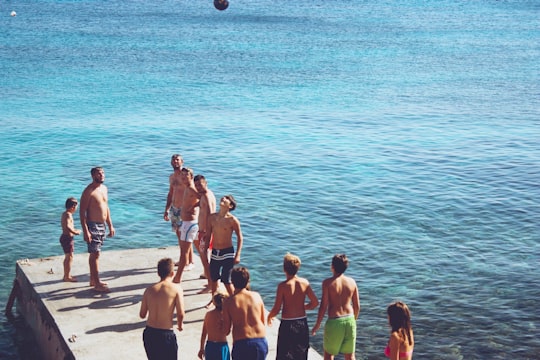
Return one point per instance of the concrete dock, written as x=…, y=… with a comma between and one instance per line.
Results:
x=73, y=321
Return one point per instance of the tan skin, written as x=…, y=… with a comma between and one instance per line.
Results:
x=222, y=225
x=94, y=207
x=291, y=295
x=175, y=195
x=160, y=301
x=68, y=228
x=244, y=311
x=339, y=298
x=190, y=212
x=213, y=329
x=207, y=207
x=397, y=344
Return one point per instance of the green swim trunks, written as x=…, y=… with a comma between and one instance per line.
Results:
x=340, y=335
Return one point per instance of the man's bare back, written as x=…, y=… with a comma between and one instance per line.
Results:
x=161, y=301
x=294, y=292
x=342, y=292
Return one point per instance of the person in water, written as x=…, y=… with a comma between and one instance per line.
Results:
x=401, y=343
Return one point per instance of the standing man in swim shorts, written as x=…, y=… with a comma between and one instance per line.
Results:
x=207, y=206
x=189, y=215
x=221, y=226
x=340, y=298
x=293, y=335
x=175, y=195
x=94, y=213
x=244, y=312
x=160, y=301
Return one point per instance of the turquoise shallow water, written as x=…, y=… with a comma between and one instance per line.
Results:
x=405, y=134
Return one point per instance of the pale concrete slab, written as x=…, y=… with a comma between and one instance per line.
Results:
x=106, y=326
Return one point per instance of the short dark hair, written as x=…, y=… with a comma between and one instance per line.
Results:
x=340, y=263
x=232, y=200
x=95, y=170
x=174, y=156
x=165, y=267
x=240, y=277
x=199, y=177
x=70, y=202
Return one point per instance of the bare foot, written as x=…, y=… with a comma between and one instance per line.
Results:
x=101, y=283
x=70, y=279
x=102, y=289
x=209, y=305
x=206, y=290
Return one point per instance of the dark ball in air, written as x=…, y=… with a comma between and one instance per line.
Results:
x=221, y=4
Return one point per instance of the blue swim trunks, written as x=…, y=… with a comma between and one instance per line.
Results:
x=250, y=349
x=97, y=230
x=217, y=351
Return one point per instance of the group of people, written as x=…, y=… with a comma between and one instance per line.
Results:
x=191, y=210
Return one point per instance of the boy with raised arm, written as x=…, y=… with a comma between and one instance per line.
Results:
x=293, y=336
x=340, y=298
x=160, y=301
x=189, y=215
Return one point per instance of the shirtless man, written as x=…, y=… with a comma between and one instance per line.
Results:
x=175, y=196
x=244, y=312
x=189, y=216
x=94, y=213
x=293, y=335
x=340, y=298
x=221, y=226
x=207, y=206
x=160, y=301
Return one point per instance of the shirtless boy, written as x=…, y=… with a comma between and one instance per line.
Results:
x=293, y=336
x=175, y=196
x=221, y=226
x=216, y=346
x=94, y=213
x=160, y=301
x=189, y=215
x=244, y=312
x=340, y=298
x=66, y=239
x=207, y=206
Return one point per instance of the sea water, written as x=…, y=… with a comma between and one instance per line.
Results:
x=405, y=134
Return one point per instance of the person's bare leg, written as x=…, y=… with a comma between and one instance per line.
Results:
x=184, y=257
x=93, y=261
x=349, y=356
x=68, y=261
x=179, y=246
x=230, y=288
x=327, y=356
